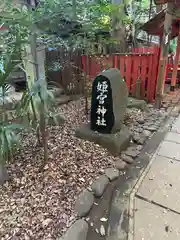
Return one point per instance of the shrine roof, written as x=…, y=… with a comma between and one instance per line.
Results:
x=159, y=2
x=155, y=26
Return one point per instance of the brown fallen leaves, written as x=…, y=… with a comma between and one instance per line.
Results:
x=38, y=204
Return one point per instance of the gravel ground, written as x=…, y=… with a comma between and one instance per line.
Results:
x=38, y=204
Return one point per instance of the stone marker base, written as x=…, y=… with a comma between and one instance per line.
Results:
x=136, y=103
x=115, y=143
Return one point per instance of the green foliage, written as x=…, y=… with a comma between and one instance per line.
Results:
x=54, y=18
x=38, y=105
x=9, y=140
x=9, y=137
x=36, y=101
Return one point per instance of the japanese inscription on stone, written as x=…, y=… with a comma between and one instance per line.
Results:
x=107, y=105
x=102, y=89
x=102, y=118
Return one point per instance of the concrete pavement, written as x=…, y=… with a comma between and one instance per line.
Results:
x=155, y=200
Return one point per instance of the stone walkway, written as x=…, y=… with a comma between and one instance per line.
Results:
x=155, y=201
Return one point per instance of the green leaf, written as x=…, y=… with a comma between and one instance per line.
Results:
x=14, y=126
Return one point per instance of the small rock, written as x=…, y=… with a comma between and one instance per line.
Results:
x=91, y=224
x=132, y=152
x=102, y=231
x=78, y=231
x=46, y=222
x=139, y=147
x=151, y=128
x=89, y=189
x=112, y=173
x=139, y=130
x=100, y=185
x=158, y=123
x=103, y=219
x=81, y=179
x=141, y=120
x=139, y=138
x=84, y=203
x=119, y=164
x=127, y=159
x=150, y=123
x=101, y=171
x=162, y=114
x=135, y=137
x=150, y=106
x=147, y=133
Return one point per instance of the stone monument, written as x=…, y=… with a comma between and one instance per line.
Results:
x=109, y=102
x=108, y=107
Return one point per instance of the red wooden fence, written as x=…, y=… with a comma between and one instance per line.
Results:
x=133, y=67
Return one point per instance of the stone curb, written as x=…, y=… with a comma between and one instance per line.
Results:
x=99, y=185
x=78, y=231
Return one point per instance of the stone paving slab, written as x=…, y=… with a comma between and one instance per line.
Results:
x=170, y=150
x=176, y=126
x=162, y=183
x=155, y=223
x=173, y=137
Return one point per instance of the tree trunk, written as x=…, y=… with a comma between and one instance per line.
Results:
x=29, y=61
x=43, y=135
x=86, y=84
x=119, y=31
x=3, y=174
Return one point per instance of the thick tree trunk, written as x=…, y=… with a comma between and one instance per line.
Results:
x=118, y=27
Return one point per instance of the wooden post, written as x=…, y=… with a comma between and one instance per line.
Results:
x=138, y=89
x=164, y=55
x=175, y=65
